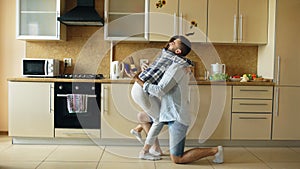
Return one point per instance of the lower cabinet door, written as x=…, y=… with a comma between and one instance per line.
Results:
x=251, y=126
x=31, y=106
x=210, y=107
x=119, y=112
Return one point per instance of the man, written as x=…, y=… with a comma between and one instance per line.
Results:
x=151, y=104
x=173, y=90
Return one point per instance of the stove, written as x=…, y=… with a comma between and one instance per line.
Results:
x=81, y=76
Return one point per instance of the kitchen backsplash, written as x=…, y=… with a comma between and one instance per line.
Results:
x=238, y=59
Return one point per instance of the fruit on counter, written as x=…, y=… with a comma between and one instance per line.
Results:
x=245, y=78
x=236, y=76
x=218, y=77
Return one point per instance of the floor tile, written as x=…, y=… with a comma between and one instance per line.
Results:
x=297, y=149
x=237, y=155
x=4, y=146
x=26, y=153
x=76, y=153
x=67, y=165
x=203, y=164
x=242, y=165
x=284, y=165
x=18, y=165
x=126, y=165
x=275, y=154
x=121, y=154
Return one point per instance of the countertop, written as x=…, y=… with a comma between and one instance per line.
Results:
x=195, y=82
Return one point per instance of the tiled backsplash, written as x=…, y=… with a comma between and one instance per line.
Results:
x=238, y=59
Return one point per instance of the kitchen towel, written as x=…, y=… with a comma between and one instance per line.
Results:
x=77, y=103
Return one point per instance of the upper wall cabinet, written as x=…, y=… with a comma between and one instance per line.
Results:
x=193, y=19
x=163, y=19
x=172, y=17
x=238, y=21
x=126, y=20
x=37, y=20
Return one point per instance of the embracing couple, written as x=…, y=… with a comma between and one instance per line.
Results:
x=162, y=91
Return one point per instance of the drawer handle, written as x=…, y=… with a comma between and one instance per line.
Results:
x=253, y=104
x=253, y=118
x=249, y=90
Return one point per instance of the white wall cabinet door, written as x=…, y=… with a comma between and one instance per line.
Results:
x=126, y=20
x=238, y=21
x=193, y=19
x=163, y=20
x=37, y=20
x=31, y=108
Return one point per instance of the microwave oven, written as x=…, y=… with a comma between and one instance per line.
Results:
x=40, y=67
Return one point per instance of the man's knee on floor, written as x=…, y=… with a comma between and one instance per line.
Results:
x=176, y=159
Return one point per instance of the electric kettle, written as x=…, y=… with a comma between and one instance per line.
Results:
x=116, y=70
x=217, y=68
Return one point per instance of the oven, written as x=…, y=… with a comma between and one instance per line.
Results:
x=77, y=105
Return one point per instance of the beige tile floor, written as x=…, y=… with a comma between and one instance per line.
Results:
x=115, y=157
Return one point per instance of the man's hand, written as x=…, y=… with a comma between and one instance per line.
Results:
x=188, y=70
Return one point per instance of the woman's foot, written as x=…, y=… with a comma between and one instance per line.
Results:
x=148, y=156
x=137, y=135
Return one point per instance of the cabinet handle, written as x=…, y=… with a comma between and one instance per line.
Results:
x=241, y=28
x=175, y=24
x=278, y=70
x=234, y=28
x=66, y=95
x=181, y=24
x=253, y=118
x=105, y=100
x=253, y=104
x=57, y=26
x=249, y=90
x=276, y=108
x=146, y=24
x=50, y=101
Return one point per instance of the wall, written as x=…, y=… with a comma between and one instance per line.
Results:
x=11, y=53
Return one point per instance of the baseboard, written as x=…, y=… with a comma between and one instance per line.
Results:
x=4, y=133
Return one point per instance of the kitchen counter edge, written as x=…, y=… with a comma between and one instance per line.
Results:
x=126, y=81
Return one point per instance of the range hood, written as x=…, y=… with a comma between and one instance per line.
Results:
x=84, y=14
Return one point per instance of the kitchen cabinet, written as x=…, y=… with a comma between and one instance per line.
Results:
x=185, y=17
x=193, y=19
x=251, y=112
x=163, y=20
x=238, y=21
x=119, y=112
x=126, y=20
x=30, y=106
x=208, y=100
x=287, y=89
x=37, y=20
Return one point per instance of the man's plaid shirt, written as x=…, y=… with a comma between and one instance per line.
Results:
x=155, y=71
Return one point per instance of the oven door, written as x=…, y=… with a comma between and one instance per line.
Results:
x=64, y=118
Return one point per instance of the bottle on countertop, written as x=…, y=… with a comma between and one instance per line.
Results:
x=132, y=65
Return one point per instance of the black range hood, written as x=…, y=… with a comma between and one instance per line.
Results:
x=84, y=14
